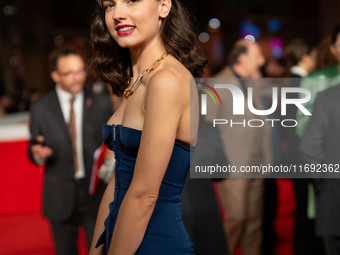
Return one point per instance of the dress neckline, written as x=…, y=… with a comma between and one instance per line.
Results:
x=185, y=144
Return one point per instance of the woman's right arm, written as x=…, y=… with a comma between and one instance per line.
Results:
x=103, y=212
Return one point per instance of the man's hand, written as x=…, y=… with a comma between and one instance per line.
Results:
x=39, y=150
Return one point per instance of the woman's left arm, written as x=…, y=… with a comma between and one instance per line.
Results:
x=164, y=105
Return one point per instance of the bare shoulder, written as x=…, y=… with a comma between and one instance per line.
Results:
x=172, y=78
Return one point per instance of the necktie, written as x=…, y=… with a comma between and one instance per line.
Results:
x=73, y=134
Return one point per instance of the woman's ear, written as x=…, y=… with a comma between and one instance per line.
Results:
x=165, y=8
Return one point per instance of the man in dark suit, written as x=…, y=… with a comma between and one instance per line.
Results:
x=65, y=128
x=320, y=145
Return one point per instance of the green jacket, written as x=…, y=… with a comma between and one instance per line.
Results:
x=315, y=83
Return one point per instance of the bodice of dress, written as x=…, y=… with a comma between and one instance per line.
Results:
x=124, y=141
x=166, y=219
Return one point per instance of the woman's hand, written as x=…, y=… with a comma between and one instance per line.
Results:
x=103, y=212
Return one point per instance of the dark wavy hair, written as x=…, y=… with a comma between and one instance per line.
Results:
x=112, y=64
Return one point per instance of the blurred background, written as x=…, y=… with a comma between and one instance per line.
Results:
x=30, y=29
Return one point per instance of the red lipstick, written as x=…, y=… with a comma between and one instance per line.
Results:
x=123, y=30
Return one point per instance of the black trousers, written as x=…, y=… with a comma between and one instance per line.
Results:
x=305, y=240
x=65, y=233
x=337, y=244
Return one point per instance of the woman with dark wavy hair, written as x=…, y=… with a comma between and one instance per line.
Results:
x=146, y=50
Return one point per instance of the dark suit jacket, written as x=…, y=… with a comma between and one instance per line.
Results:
x=320, y=144
x=46, y=119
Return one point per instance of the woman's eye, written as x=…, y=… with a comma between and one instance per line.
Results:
x=108, y=6
x=132, y=1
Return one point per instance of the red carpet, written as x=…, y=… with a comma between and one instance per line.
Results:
x=285, y=220
x=25, y=234
x=25, y=231
x=21, y=181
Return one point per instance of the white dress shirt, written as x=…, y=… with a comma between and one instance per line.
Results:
x=78, y=107
x=299, y=71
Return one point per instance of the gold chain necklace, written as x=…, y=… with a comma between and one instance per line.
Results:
x=129, y=92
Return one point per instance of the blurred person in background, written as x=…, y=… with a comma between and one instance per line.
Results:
x=6, y=103
x=316, y=81
x=320, y=145
x=65, y=127
x=242, y=198
x=300, y=62
x=324, y=56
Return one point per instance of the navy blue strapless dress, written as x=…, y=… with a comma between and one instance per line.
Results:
x=165, y=233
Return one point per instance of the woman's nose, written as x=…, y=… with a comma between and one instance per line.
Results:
x=119, y=12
